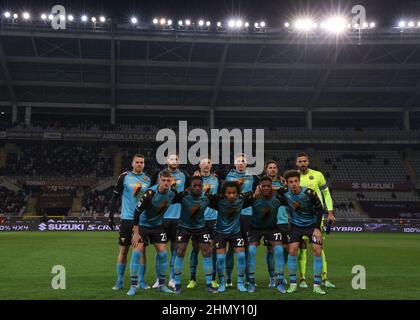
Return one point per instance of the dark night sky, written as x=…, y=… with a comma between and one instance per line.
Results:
x=275, y=12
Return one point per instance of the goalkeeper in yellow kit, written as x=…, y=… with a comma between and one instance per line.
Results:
x=314, y=180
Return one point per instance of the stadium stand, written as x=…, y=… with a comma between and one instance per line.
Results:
x=11, y=202
x=343, y=207
x=95, y=202
x=59, y=160
x=364, y=166
x=415, y=162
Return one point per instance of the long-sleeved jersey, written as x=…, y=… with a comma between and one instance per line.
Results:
x=181, y=181
x=306, y=209
x=264, y=212
x=228, y=214
x=247, y=182
x=315, y=180
x=211, y=185
x=152, y=206
x=192, y=210
x=130, y=187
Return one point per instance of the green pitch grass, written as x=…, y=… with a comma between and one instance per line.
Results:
x=26, y=258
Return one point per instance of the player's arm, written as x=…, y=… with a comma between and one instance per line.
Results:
x=178, y=196
x=248, y=198
x=213, y=199
x=144, y=202
x=318, y=211
x=317, y=205
x=116, y=194
x=323, y=186
x=256, y=182
x=280, y=195
x=187, y=180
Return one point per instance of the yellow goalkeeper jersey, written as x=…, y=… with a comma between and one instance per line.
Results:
x=315, y=180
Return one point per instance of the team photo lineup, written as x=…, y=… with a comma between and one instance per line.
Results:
x=225, y=218
x=180, y=154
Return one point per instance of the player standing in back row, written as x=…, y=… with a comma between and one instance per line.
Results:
x=315, y=180
x=247, y=182
x=131, y=186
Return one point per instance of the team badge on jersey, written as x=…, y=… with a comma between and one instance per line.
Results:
x=311, y=177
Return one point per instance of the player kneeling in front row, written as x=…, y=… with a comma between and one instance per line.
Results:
x=228, y=229
x=192, y=225
x=306, y=213
x=264, y=224
x=148, y=226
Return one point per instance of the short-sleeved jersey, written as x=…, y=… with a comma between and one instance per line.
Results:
x=152, y=207
x=314, y=180
x=305, y=208
x=247, y=182
x=264, y=212
x=181, y=181
x=192, y=210
x=228, y=214
x=131, y=187
x=212, y=184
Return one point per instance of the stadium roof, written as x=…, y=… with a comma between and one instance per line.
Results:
x=155, y=70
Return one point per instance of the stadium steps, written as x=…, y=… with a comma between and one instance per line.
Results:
x=5, y=182
x=104, y=184
x=31, y=206
x=76, y=205
x=410, y=170
x=359, y=208
x=8, y=148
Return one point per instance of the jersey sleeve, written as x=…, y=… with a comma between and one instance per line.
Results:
x=178, y=196
x=187, y=180
x=144, y=202
x=256, y=182
x=213, y=200
x=280, y=195
x=116, y=194
x=318, y=208
x=219, y=184
x=323, y=186
x=248, y=198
